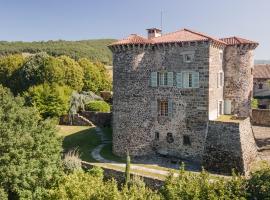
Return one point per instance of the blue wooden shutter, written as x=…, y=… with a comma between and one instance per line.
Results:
x=153, y=79
x=179, y=80
x=195, y=79
x=170, y=108
x=170, y=79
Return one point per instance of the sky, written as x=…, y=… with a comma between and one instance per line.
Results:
x=36, y=20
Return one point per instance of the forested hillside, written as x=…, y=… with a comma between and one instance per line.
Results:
x=95, y=50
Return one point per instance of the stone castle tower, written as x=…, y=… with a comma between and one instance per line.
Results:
x=167, y=87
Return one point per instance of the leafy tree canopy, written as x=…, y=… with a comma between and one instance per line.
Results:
x=30, y=162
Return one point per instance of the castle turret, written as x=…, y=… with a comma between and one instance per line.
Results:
x=238, y=75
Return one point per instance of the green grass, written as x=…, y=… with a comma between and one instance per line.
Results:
x=82, y=138
x=108, y=132
x=106, y=152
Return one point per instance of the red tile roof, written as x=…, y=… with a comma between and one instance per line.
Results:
x=183, y=35
x=132, y=39
x=237, y=40
x=262, y=71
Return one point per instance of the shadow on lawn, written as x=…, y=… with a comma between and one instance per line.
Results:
x=84, y=141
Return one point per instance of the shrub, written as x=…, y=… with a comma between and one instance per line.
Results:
x=72, y=161
x=50, y=100
x=3, y=194
x=254, y=103
x=259, y=183
x=98, y=106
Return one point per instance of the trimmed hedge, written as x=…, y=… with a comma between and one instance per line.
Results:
x=98, y=106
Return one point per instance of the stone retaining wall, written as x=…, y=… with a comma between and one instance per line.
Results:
x=98, y=118
x=119, y=176
x=261, y=117
x=229, y=145
x=77, y=120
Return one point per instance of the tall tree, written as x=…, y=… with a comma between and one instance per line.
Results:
x=30, y=161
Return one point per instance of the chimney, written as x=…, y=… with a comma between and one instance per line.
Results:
x=153, y=32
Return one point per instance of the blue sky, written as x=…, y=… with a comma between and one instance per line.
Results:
x=35, y=20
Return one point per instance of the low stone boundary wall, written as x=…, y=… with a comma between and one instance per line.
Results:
x=77, y=120
x=261, y=117
x=98, y=118
x=119, y=176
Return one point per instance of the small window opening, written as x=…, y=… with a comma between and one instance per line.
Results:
x=163, y=108
x=186, y=140
x=260, y=86
x=157, y=136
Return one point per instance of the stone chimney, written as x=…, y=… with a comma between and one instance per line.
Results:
x=153, y=32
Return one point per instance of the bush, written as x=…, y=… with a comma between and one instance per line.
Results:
x=50, y=100
x=72, y=161
x=98, y=106
x=3, y=194
x=259, y=183
x=254, y=103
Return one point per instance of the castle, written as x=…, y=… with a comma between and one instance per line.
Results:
x=167, y=88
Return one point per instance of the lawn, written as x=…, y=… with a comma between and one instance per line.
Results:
x=82, y=138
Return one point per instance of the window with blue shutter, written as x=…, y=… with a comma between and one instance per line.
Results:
x=170, y=79
x=153, y=79
x=195, y=79
x=179, y=80
x=154, y=108
x=186, y=79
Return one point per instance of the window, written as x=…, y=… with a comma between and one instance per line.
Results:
x=169, y=138
x=157, y=136
x=162, y=78
x=190, y=79
x=220, y=108
x=220, y=79
x=186, y=140
x=221, y=55
x=163, y=108
x=188, y=57
x=260, y=86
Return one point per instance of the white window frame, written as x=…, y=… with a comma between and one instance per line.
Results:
x=220, y=79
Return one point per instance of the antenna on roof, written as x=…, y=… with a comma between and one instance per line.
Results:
x=161, y=13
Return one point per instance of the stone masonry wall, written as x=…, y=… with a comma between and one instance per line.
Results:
x=100, y=119
x=261, y=117
x=135, y=119
x=238, y=79
x=215, y=92
x=229, y=145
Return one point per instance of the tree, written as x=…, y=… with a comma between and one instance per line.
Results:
x=127, y=171
x=50, y=100
x=73, y=73
x=8, y=65
x=30, y=151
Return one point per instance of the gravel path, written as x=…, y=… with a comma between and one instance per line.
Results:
x=96, y=155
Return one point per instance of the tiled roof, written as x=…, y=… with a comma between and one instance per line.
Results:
x=237, y=40
x=184, y=35
x=132, y=39
x=261, y=71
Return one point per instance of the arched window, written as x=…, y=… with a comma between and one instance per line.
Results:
x=169, y=138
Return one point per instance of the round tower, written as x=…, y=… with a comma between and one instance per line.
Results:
x=238, y=75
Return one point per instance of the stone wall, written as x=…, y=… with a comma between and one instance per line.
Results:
x=261, y=117
x=238, y=78
x=135, y=113
x=88, y=118
x=98, y=118
x=229, y=145
x=119, y=176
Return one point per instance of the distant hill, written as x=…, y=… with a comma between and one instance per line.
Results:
x=261, y=62
x=96, y=50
